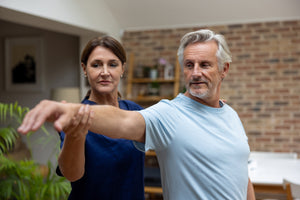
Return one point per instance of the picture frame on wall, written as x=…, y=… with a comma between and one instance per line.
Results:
x=24, y=64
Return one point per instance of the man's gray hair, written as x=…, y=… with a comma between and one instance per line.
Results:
x=223, y=54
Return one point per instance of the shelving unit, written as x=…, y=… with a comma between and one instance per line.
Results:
x=150, y=99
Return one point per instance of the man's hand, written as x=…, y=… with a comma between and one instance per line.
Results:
x=61, y=114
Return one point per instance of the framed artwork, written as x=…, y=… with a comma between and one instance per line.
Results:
x=24, y=64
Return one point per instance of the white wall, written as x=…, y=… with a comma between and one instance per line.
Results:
x=61, y=69
x=92, y=15
x=78, y=21
x=85, y=19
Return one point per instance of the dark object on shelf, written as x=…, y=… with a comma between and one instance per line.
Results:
x=152, y=176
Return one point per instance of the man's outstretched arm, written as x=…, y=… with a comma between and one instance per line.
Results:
x=108, y=120
x=116, y=123
x=60, y=114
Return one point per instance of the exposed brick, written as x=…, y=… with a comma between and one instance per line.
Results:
x=273, y=60
x=272, y=24
x=254, y=25
x=281, y=30
x=272, y=133
x=295, y=121
x=253, y=37
x=254, y=133
x=263, y=139
x=243, y=56
x=289, y=60
x=290, y=23
x=235, y=26
x=281, y=139
x=266, y=115
x=283, y=127
x=262, y=30
x=262, y=67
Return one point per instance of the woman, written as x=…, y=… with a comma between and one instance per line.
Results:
x=99, y=167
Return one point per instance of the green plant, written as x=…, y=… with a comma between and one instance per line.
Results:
x=10, y=113
x=25, y=180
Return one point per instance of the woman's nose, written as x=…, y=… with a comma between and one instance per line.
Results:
x=104, y=71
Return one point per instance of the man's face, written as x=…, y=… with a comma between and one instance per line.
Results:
x=201, y=73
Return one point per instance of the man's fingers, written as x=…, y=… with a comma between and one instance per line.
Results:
x=59, y=113
x=26, y=124
x=31, y=122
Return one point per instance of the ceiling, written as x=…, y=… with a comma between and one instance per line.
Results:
x=152, y=14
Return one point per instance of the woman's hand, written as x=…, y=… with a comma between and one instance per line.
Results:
x=80, y=123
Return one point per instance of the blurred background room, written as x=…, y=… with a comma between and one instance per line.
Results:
x=263, y=85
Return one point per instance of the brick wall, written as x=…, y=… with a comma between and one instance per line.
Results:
x=263, y=84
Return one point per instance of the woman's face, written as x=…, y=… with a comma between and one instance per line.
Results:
x=103, y=70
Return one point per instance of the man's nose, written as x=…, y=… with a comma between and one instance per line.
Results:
x=197, y=70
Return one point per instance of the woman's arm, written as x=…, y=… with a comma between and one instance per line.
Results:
x=71, y=160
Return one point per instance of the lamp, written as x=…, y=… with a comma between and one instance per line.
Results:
x=69, y=94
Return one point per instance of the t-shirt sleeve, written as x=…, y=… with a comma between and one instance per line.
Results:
x=160, y=125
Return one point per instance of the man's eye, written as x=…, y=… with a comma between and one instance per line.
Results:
x=205, y=64
x=189, y=65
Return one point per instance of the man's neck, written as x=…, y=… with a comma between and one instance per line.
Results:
x=211, y=102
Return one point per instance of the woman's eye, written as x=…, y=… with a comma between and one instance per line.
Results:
x=95, y=64
x=113, y=64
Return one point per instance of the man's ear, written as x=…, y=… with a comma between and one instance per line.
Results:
x=225, y=70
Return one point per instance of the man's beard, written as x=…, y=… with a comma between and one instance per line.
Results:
x=200, y=95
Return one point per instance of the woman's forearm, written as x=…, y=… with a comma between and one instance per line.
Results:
x=71, y=159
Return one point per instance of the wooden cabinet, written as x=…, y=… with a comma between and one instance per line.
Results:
x=137, y=89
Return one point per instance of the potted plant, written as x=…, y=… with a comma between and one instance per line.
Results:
x=24, y=179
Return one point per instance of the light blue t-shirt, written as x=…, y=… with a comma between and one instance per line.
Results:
x=202, y=151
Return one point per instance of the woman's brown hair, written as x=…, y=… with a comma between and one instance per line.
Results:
x=107, y=42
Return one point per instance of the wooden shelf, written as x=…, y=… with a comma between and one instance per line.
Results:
x=153, y=190
x=149, y=80
x=150, y=153
x=148, y=99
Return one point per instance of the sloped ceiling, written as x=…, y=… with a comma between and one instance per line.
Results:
x=151, y=14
